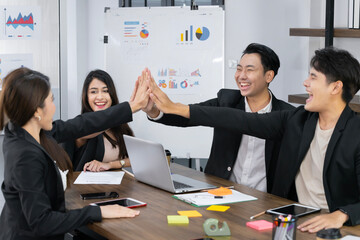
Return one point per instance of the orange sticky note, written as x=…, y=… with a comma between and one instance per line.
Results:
x=218, y=208
x=221, y=191
x=193, y=213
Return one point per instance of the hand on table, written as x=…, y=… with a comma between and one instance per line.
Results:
x=96, y=166
x=331, y=220
x=117, y=211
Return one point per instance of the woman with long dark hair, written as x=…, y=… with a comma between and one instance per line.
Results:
x=105, y=150
x=36, y=166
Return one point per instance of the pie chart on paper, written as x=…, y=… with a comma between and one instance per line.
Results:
x=202, y=34
x=144, y=33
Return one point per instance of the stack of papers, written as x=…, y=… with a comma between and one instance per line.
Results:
x=207, y=199
x=99, y=178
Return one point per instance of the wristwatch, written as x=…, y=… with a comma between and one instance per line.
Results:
x=122, y=163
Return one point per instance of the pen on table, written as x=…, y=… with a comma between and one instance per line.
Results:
x=202, y=196
x=229, y=187
x=126, y=171
x=257, y=215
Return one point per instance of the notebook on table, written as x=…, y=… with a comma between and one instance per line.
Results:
x=149, y=165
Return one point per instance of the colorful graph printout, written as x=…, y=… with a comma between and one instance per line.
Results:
x=20, y=22
x=9, y=62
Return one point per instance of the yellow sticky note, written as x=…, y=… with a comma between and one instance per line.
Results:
x=177, y=219
x=221, y=191
x=218, y=208
x=193, y=213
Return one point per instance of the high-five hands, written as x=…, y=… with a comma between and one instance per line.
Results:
x=150, y=108
x=140, y=96
x=157, y=100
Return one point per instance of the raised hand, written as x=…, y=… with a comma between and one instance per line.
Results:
x=140, y=96
x=163, y=102
x=150, y=108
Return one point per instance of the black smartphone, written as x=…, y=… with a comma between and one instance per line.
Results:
x=125, y=202
x=99, y=195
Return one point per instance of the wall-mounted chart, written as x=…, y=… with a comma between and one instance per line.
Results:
x=9, y=62
x=20, y=22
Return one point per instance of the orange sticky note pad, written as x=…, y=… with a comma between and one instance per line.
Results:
x=193, y=213
x=218, y=208
x=260, y=225
x=221, y=191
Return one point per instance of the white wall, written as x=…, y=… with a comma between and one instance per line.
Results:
x=268, y=22
x=81, y=47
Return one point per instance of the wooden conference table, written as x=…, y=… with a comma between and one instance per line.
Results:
x=152, y=221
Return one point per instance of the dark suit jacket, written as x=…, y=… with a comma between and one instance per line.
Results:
x=93, y=149
x=341, y=173
x=226, y=143
x=34, y=196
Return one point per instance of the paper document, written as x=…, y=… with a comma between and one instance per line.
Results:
x=99, y=178
x=350, y=237
x=207, y=199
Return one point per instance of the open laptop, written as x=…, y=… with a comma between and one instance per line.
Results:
x=149, y=165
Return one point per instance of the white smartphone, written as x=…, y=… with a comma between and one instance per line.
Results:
x=294, y=209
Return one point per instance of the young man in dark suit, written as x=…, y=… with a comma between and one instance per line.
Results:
x=319, y=159
x=242, y=158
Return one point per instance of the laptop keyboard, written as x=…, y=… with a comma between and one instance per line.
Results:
x=178, y=185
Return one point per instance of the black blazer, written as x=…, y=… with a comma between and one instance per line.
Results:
x=341, y=173
x=34, y=196
x=226, y=143
x=93, y=149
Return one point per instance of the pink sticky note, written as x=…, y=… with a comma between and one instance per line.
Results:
x=260, y=225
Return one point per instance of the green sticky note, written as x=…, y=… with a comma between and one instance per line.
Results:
x=177, y=219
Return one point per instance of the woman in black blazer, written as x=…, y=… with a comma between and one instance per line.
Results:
x=89, y=152
x=34, y=179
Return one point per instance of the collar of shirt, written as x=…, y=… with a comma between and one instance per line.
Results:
x=266, y=109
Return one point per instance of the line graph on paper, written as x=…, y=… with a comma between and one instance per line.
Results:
x=20, y=22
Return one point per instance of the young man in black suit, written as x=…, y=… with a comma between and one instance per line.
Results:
x=319, y=159
x=242, y=158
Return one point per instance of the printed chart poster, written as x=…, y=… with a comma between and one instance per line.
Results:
x=20, y=22
x=173, y=80
x=9, y=62
x=135, y=36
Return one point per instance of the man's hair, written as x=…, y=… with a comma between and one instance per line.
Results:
x=269, y=59
x=337, y=64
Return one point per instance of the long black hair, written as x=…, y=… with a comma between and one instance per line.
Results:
x=85, y=107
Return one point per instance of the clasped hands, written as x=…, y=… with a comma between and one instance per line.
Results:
x=148, y=97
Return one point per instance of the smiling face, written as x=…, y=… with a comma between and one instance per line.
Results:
x=47, y=113
x=98, y=95
x=250, y=77
x=319, y=90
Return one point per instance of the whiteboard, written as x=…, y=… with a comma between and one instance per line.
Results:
x=184, y=51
